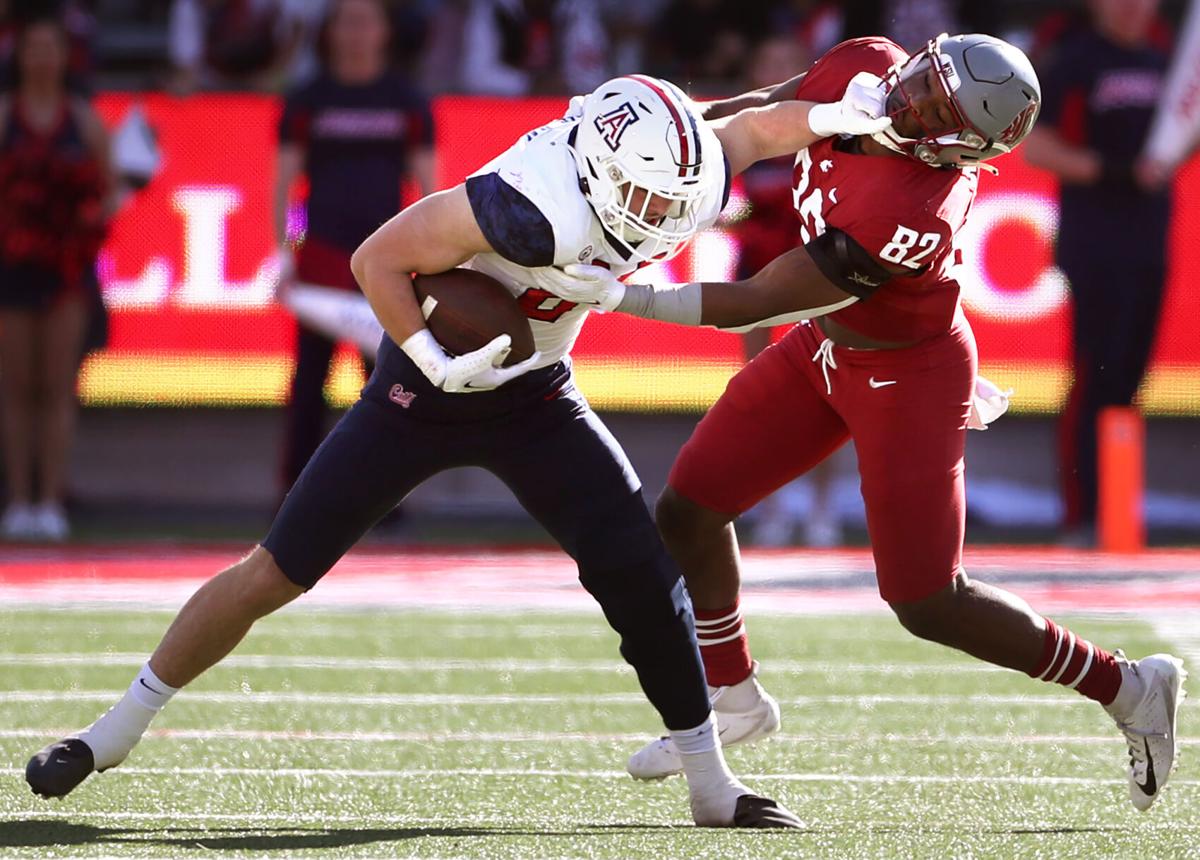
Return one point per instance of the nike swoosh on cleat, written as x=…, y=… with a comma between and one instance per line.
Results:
x=1150, y=787
x=142, y=681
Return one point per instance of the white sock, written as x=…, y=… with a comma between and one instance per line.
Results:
x=701, y=739
x=737, y=698
x=116, y=733
x=1130, y=693
x=713, y=787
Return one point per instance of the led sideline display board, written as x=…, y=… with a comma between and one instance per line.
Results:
x=188, y=277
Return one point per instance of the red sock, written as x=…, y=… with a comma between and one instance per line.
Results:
x=723, y=645
x=1076, y=663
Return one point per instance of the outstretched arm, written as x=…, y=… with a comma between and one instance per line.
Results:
x=829, y=273
x=789, y=285
x=761, y=97
x=786, y=127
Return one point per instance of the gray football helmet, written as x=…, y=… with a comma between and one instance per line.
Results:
x=992, y=88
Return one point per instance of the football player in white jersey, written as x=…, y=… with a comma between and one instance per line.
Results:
x=625, y=178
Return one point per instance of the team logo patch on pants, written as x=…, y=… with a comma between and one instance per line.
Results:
x=401, y=397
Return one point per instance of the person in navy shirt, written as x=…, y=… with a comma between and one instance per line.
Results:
x=358, y=132
x=1101, y=86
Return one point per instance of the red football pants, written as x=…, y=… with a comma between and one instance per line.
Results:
x=905, y=409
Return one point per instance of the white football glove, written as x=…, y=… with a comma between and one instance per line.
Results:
x=861, y=111
x=582, y=284
x=987, y=404
x=463, y=374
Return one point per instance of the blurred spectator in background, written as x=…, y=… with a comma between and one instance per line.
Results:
x=815, y=25
x=1100, y=87
x=524, y=47
x=911, y=23
x=768, y=229
x=77, y=21
x=628, y=26
x=706, y=44
x=243, y=44
x=441, y=59
x=358, y=131
x=55, y=184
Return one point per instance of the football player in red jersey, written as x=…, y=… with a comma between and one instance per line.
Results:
x=885, y=357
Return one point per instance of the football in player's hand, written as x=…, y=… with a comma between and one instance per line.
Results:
x=466, y=310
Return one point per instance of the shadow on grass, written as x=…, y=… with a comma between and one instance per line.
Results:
x=53, y=833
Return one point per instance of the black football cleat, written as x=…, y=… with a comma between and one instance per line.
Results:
x=57, y=769
x=755, y=811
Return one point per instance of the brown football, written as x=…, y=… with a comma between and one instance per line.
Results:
x=465, y=310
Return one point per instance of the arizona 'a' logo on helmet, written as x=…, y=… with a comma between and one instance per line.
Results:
x=612, y=125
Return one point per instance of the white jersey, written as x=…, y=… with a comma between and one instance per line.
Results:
x=530, y=207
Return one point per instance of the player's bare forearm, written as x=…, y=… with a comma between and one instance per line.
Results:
x=728, y=107
x=759, y=133
x=433, y=235
x=791, y=283
x=755, y=98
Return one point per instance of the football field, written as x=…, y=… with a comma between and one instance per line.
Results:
x=420, y=731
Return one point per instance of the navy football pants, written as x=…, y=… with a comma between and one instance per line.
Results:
x=1116, y=310
x=539, y=436
x=306, y=411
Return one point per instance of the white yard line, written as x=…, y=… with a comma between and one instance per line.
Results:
x=1183, y=631
x=172, y=821
x=443, y=664
x=310, y=627
x=426, y=737
x=549, y=773
x=428, y=699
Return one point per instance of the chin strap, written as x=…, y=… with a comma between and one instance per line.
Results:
x=895, y=146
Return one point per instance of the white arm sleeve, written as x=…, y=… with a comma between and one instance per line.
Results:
x=792, y=317
x=677, y=303
x=681, y=303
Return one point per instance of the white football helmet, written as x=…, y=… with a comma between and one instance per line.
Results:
x=642, y=133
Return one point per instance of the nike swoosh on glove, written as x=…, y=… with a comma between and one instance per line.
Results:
x=479, y=370
x=582, y=284
x=860, y=111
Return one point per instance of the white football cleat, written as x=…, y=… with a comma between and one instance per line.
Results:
x=19, y=523
x=50, y=522
x=1149, y=728
x=659, y=758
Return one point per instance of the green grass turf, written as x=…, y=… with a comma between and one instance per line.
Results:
x=1026, y=770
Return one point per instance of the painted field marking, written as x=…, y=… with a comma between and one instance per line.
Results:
x=442, y=664
x=169, y=822
x=549, y=773
x=1183, y=631
x=432, y=699
x=426, y=737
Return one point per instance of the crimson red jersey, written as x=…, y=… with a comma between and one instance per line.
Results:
x=902, y=211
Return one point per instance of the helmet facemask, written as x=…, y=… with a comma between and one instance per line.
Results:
x=962, y=143
x=626, y=213
x=1013, y=88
